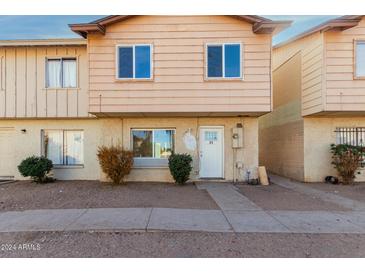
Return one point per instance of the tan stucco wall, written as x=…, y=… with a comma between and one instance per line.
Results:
x=281, y=131
x=319, y=133
x=117, y=130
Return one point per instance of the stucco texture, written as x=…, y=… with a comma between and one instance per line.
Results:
x=117, y=131
x=319, y=134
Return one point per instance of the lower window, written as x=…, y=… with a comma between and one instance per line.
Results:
x=64, y=147
x=152, y=147
x=351, y=136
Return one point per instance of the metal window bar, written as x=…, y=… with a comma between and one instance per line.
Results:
x=351, y=136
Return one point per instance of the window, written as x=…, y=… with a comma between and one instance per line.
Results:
x=61, y=73
x=360, y=59
x=134, y=62
x=224, y=61
x=350, y=136
x=153, y=143
x=64, y=147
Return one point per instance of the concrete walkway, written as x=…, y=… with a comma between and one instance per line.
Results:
x=170, y=219
x=237, y=214
x=325, y=196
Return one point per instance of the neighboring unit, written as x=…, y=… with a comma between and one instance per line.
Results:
x=319, y=99
x=153, y=84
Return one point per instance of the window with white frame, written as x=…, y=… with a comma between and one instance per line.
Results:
x=61, y=73
x=134, y=61
x=153, y=143
x=224, y=60
x=64, y=147
x=360, y=59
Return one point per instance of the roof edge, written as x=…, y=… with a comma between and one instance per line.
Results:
x=341, y=23
x=260, y=25
x=43, y=42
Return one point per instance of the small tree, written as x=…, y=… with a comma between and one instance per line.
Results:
x=347, y=159
x=115, y=162
x=37, y=168
x=180, y=167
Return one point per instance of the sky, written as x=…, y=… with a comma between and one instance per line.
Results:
x=43, y=27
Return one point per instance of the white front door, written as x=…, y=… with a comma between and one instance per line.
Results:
x=211, y=152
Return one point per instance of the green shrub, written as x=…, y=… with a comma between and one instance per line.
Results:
x=347, y=159
x=37, y=168
x=115, y=162
x=180, y=167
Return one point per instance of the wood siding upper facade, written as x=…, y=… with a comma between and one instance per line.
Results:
x=343, y=91
x=23, y=92
x=178, y=83
x=329, y=85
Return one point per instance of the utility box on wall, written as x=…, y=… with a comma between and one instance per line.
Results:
x=237, y=137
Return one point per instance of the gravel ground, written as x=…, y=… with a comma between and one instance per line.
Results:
x=274, y=197
x=180, y=244
x=355, y=191
x=24, y=195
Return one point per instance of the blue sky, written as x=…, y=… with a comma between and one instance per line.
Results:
x=41, y=27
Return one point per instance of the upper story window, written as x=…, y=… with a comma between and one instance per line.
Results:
x=134, y=61
x=61, y=73
x=224, y=60
x=360, y=59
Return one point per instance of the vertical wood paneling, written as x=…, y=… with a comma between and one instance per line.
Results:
x=72, y=102
x=31, y=83
x=83, y=95
x=10, y=82
x=22, y=83
x=2, y=83
x=41, y=92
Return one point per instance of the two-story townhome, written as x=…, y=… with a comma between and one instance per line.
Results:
x=153, y=84
x=318, y=99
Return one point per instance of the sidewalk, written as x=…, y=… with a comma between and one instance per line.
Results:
x=169, y=219
x=237, y=214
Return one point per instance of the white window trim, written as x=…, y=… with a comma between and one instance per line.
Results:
x=153, y=140
x=356, y=75
x=61, y=58
x=134, y=61
x=43, y=153
x=241, y=77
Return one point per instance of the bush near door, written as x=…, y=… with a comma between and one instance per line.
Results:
x=180, y=167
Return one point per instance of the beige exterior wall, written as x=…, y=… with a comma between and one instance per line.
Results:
x=319, y=134
x=178, y=83
x=281, y=131
x=23, y=92
x=117, y=130
x=343, y=91
x=311, y=49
